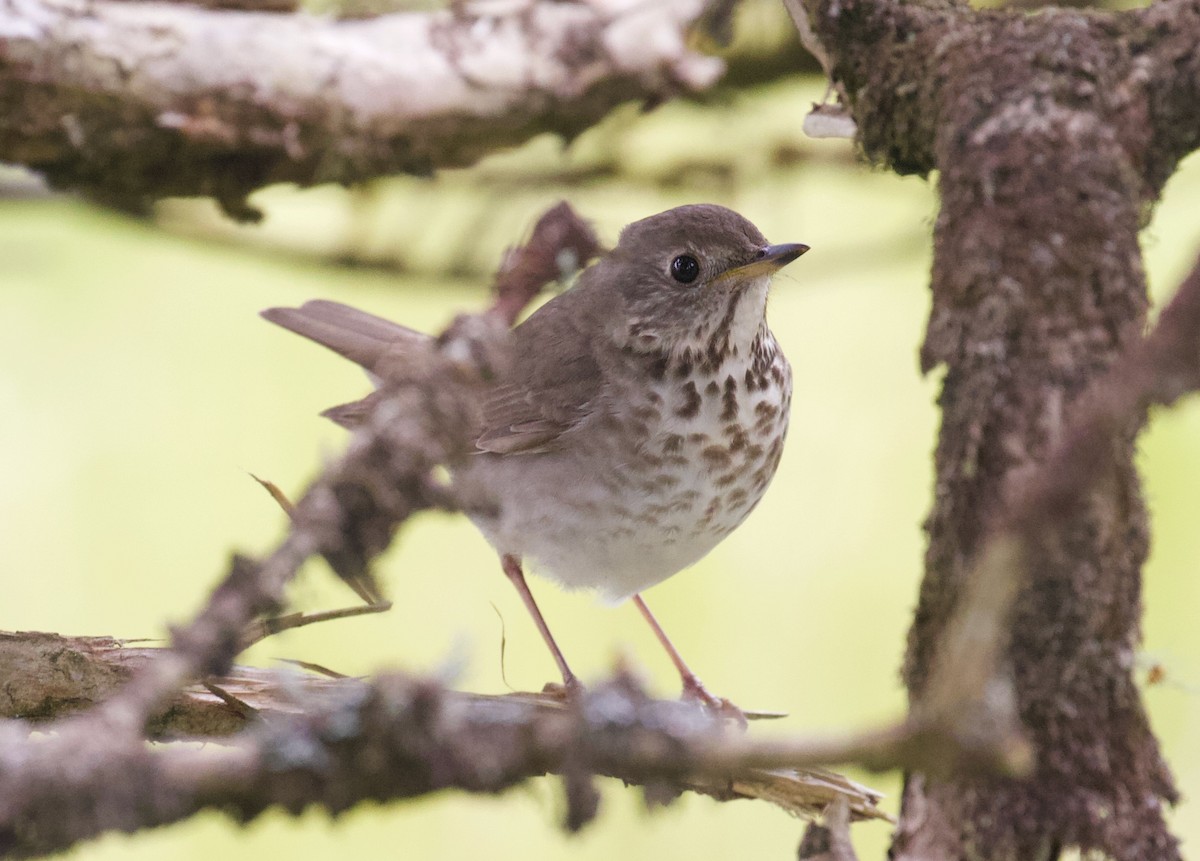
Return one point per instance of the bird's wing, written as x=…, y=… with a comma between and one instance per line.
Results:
x=554, y=384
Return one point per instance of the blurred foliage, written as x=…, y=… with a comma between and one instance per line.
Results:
x=138, y=387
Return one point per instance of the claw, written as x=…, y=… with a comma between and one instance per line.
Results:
x=694, y=691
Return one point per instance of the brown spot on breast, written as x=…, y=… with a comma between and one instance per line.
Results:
x=690, y=407
x=718, y=344
x=671, y=443
x=665, y=480
x=683, y=365
x=697, y=438
x=729, y=400
x=717, y=456
x=765, y=410
x=712, y=389
x=657, y=369
x=738, y=438
x=727, y=479
x=767, y=429
x=767, y=468
x=714, y=357
x=737, y=497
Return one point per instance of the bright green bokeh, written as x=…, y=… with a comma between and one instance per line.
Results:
x=138, y=389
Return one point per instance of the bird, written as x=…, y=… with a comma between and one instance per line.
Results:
x=642, y=419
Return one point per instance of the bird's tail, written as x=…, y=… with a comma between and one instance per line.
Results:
x=362, y=338
x=382, y=347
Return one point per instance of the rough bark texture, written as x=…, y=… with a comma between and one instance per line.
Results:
x=131, y=102
x=293, y=739
x=1053, y=134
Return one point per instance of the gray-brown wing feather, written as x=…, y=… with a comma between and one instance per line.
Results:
x=554, y=385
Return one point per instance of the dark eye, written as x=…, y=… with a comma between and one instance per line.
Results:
x=685, y=269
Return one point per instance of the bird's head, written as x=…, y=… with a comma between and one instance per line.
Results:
x=691, y=278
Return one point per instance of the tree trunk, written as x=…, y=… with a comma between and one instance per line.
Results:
x=1052, y=133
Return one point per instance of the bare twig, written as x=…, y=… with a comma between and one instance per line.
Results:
x=272, y=625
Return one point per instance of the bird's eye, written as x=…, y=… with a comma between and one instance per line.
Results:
x=685, y=269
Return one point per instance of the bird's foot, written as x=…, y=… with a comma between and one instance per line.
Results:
x=565, y=691
x=694, y=691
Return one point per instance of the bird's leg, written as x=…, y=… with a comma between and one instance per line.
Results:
x=512, y=567
x=693, y=688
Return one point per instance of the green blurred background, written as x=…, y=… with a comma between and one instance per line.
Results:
x=138, y=390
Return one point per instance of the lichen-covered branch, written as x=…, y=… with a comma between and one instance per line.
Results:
x=132, y=102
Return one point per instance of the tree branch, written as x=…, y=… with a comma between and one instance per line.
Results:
x=293, y=740
x=131, y=102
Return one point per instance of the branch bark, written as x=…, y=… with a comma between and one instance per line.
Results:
x=415, y=736
x=131, y=102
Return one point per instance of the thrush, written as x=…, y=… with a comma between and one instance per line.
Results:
x=641, y=422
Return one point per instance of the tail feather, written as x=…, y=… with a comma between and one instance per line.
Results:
x=361, y=337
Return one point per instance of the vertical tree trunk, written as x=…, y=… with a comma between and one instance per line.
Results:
x=1043, y=130
x=1038, y=285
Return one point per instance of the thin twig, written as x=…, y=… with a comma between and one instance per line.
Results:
x=268, y=627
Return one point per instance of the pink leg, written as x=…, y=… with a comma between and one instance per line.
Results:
x=512, y=567
x=693, y=688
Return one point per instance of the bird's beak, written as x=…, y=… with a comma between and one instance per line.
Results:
x=770, y=259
